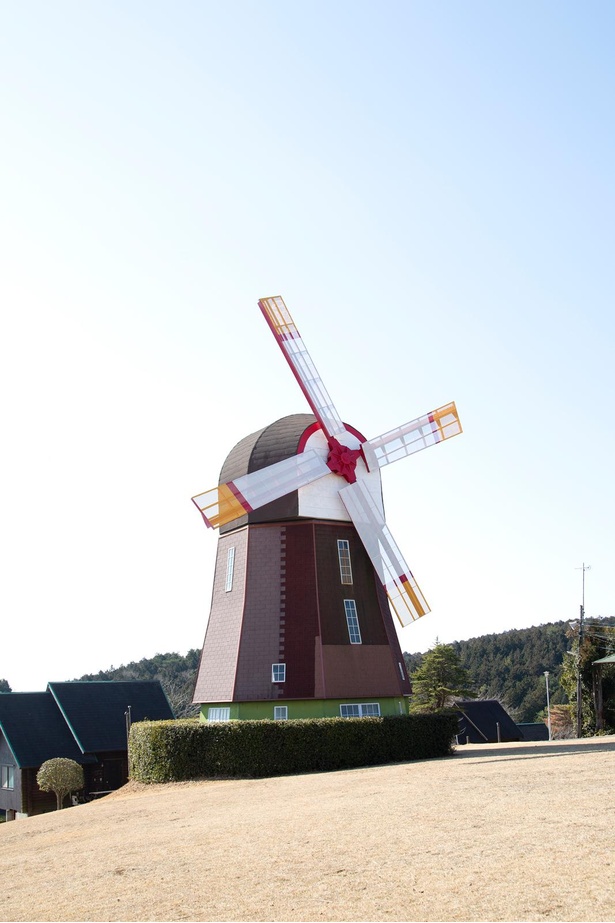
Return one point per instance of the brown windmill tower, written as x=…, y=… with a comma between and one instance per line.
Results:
x=300, y=624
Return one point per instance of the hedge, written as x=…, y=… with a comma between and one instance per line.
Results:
x=177, y=751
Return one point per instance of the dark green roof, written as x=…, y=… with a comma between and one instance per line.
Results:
x=76, y=720
x=480, y=718
x=35, y=730
x=95, y=711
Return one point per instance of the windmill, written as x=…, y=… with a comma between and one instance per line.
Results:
x=300, y=625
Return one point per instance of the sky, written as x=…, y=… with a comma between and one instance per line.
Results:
x=430, y=187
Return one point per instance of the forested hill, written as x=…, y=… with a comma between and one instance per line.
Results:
x=510, y=666
x=176, y=673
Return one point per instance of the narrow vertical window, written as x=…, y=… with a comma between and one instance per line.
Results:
x=343, y=553
x=280, y=712
x=8, y=777
x=352, y=620
x=278, y=673
x=401, y=669
x=230, y=567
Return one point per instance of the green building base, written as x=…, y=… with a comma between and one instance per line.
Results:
x=301, y=708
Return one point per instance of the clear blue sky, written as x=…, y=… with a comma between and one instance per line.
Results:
x=429, y=185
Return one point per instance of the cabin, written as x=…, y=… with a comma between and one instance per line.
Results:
x=484, y=721
x=87, y=722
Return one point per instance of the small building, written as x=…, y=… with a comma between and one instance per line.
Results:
x=484, y=721
x=533, y=730
x=83, y=721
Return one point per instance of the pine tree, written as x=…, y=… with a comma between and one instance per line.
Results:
x=439, y=678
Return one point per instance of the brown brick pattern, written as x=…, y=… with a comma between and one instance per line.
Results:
x=218, y=665
x=287, y=606
x=260, y=636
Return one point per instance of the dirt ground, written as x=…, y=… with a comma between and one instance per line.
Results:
x=495, y=832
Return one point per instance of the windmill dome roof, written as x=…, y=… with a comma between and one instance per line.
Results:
x=265, y=447
x=271, y=444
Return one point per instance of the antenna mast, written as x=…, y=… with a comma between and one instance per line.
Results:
x=579, y=684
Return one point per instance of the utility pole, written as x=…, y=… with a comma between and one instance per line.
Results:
x=579, y=684
x=128, y=718
x=548, y=704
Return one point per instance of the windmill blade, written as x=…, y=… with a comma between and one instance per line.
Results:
x=229, y=501
x=290, y=342
x=402, y=589
x=427, y=430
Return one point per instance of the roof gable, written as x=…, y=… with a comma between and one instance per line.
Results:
x=95, y=711
x=482, y=717
x=35, y=729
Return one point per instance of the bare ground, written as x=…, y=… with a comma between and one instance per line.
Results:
x=496, y=832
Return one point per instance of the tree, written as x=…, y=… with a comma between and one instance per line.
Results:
x=4, y=686
x=439, y=678
x=177, y=675
x=598, y=641
x=61, y=776
x=510, y=666
x=563, y=724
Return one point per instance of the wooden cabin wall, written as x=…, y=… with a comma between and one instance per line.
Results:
x=35, y=801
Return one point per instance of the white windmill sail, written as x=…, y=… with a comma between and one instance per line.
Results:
x=229, y=501
x=396, y=577
x=291, y=343
x=430, y=429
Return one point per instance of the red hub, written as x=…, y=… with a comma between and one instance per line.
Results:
x=342, y=460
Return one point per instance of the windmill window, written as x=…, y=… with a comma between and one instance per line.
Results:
x=364, y=710
x=352, y=620
x=230, y=568
x=219, y=714
x=8, y=777
x=278, y=673
x=280, y=712
x=343, y=553
x=401, y=669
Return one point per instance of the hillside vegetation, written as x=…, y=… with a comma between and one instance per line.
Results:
x=510, y=666
x=176, y=672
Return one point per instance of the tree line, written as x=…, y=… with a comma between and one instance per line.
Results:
x=508, y=666
x=176, y=673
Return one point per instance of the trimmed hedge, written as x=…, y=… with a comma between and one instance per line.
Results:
x=176, y=751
